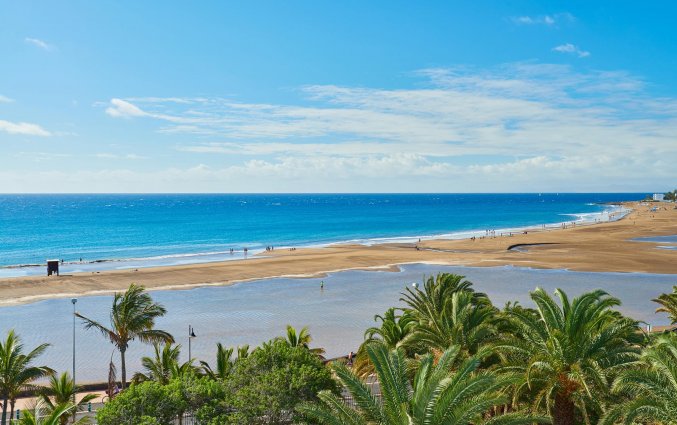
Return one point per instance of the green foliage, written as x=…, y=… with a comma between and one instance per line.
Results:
x=152, y=401
x=452, y=391
x=650, y=387
x=207, y=399
x=147, y=420
x=45, y=415
x=225, y=363
x=392, y=332
x=450, y=357
x=301, y=339
x=60, y=392
x=268, y=385
x=449, y=312
x=668, y=304
x=132, y=317
x=568, y=355
x=671, y=196
x=17, y=372
x=164, y=366
x=148, y=399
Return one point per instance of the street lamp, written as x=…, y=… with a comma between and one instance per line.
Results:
x=191, y=335
x=74, y=300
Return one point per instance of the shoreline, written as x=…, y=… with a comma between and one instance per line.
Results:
x=610, y=211
x=593, y=247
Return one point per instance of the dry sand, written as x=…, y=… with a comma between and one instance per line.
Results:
x=604, y=247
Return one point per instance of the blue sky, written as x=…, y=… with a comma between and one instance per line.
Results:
x=351, y=96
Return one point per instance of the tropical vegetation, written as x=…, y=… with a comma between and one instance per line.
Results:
x=446, y=355
x=132, y=317
x=17, y=371
x=50, y=415
x=60, y=394
x=452, y=391
x=668, y=304
x=649, y=388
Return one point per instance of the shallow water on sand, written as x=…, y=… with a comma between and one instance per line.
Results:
x=336, y=315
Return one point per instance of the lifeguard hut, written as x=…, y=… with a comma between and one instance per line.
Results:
x=52, y=267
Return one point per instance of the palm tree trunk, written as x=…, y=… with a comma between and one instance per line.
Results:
x=564, y=411
x=12, y=402
x=4, y=410
x=123, y=368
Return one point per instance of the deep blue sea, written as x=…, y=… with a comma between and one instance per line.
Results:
x=125, y=231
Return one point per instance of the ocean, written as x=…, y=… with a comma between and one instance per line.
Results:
x=100, y=232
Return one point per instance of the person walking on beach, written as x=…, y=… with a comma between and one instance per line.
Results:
x=322, y=284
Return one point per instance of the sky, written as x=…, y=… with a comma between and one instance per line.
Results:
x=338, y=96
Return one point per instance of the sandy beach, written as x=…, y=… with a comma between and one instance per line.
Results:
x=601, y=247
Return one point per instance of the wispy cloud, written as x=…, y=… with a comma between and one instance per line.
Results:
x=572, y=49
x=24, y=128
x=547, y=20
x=107, y=155
x=39, y=43
x=5, y=99
x=528, y=125
x=122, y=109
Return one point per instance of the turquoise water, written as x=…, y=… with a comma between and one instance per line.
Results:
x=337, y=316
x=129, y=231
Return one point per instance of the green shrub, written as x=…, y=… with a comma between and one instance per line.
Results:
x=267, y=386
x=147, y=402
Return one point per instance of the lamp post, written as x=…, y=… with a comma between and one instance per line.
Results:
x=74, y=301
x=191, y=335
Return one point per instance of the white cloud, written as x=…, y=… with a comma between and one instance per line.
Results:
x=5, y=99
x=548, y=20
x=106, y=155
x=39, y=43
x=122, y=109
x=570, y=48
x=523, y=126
x=23, y=128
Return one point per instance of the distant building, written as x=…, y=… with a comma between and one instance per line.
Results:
x=658, y=196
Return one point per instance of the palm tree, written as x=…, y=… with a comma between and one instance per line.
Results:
x=668, y=304
x=164, y=366
x=450, y=392
x=651, y=387
x=301, y=339
x=224, y=361
x=568, y=355
x=62, y=391
x=392, y=332
x=44, y=415
x=16, y=371
x=436, y=291
x=393, y=329
x=466, y=321
x=449, y=312
x=132, y=317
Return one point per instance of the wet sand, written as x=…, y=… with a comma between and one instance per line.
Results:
x=603, y=247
